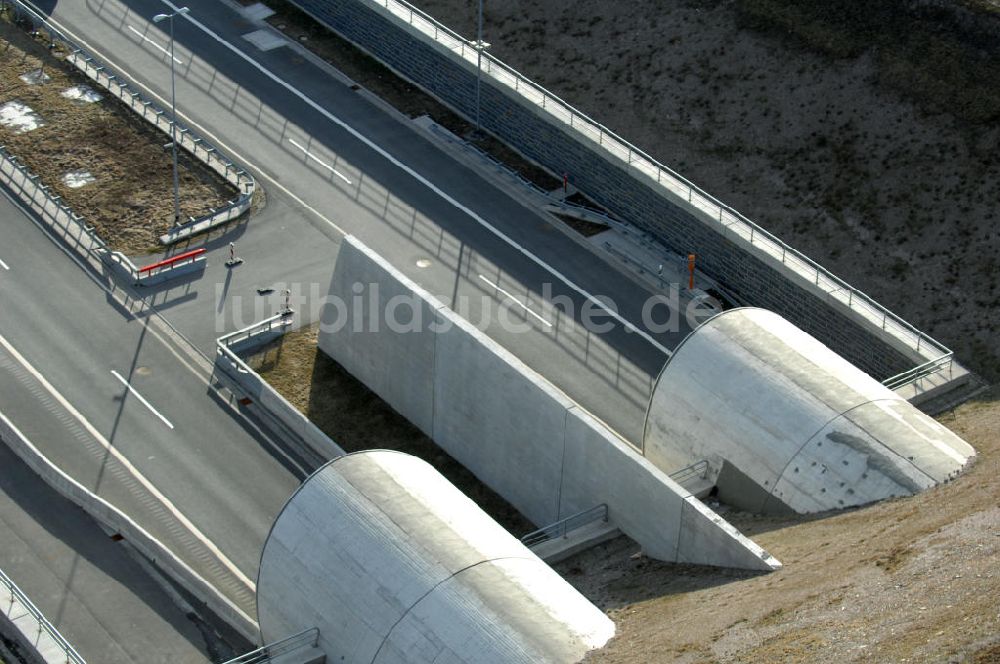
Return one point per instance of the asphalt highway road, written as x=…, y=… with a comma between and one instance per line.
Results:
x=85, y=583
x=294, y=124
x=111, y=398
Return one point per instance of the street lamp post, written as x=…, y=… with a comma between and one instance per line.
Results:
x=480, y=45
x=173, y=108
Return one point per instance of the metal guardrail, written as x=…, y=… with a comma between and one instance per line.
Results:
x=943, y=363
x=697, y=470
x=587, y=213
x=51, y=209
x=225, y=342
x=314, y=446
x=174, y=262
x=732, y=223
x=307, y=639
x=496, y=163
x=72, y=656
x=565, y=526
x=117, y=85
x=627, y=258
x=94, y=69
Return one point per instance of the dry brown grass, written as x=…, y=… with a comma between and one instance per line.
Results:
x=357, y=419
x=131, y=202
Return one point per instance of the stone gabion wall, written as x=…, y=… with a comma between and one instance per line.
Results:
x=604, y=178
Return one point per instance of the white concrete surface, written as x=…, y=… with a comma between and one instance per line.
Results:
x=661, y=515
x=394, y=564
x=515, y=431
x=398, y=367
x=500, y=419
x=803, y=424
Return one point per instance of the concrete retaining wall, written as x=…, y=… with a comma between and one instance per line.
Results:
x=515, y=431
x=117, y=521
x=724, y=254
x=282, y=418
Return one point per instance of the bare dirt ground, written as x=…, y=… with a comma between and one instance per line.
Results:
x=130, y=203
x=357, y=419
x=914, y=579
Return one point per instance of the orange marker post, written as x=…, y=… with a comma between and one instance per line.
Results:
x=691, y=271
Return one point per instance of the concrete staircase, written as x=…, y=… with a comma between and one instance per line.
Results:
x=573, y=542
x=699, y=478
x=572, y=534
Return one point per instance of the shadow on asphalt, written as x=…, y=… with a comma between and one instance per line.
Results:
x=244, y=416
x=68, y=523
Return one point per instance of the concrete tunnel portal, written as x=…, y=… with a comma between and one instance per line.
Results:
x=392, y=563
x=787, y=423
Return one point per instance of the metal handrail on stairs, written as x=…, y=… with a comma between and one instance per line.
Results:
x=306, y=639
x=564, y=526
x=698, y=469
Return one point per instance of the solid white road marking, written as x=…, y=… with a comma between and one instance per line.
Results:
x=188, y=362
x=420, y=178
x=113, y=451
x=153, y=43
x=141, y=398
x=4, y=265
x=319, y=161
x=516, y=301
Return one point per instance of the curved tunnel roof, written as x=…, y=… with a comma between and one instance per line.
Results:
x=809, y=429
x=394, y=564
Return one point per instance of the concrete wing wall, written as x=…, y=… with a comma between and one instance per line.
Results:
x=660, y=514
x=499, y=419
x=509, y=426
x=400, y=365
x=471, y=398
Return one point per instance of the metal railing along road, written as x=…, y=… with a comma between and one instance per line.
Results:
x=174, y=262
x=306, y=639
x=51, y=210
x=115, y=84
x=731, y=223
x=563, y=527
x=290, y=424
x=227, y=341
x=72, y=656
x=942, y=363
